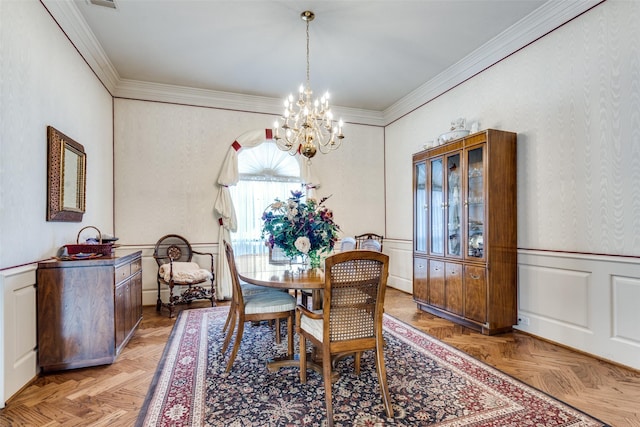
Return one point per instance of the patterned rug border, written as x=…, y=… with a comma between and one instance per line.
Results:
x=402, y=331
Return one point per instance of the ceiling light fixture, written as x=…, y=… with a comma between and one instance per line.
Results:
x=307, y=126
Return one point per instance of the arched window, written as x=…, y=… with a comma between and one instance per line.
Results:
x=265, y=172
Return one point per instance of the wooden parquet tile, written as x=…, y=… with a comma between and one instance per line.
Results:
x=113, y=395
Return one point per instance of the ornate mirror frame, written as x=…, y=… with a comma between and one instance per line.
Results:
x=66, y=177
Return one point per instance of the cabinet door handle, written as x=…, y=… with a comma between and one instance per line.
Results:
x=420, y=266
x=475, y=276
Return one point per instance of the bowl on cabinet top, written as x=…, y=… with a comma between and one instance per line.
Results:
x=454, y=134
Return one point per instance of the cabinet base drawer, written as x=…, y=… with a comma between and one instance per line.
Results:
x=482, y=328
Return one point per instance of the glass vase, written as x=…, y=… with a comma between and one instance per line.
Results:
x=314, y=259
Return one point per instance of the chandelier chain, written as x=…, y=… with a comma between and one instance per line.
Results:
x=308, y=80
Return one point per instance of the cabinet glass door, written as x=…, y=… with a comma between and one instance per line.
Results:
x=420, y=207
x=437, y=208
x=475, y=202
x=454, y=205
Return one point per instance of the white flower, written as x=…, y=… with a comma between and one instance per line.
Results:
x=303, y=244
x=292, y=213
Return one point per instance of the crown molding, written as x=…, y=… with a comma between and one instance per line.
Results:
x=72, y=23
x=140, y=90
x=542, y=21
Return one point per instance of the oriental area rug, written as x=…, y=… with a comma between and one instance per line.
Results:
x=431, y=384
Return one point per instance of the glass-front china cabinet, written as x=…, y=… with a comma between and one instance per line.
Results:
x=465, y=230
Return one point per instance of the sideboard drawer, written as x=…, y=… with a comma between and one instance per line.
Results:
x=136, y=266
x=122, y=272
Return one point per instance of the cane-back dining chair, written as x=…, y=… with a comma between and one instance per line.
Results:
x=351, y=318
x=176, y=267
x=268, y=305
x=370, y=241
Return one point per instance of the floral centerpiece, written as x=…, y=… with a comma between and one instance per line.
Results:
x=300, y=228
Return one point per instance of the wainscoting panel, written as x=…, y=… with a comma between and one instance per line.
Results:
x=537, y=283
x=400, y=264
x=587, y=302
x=626, y=314
x=18, y=339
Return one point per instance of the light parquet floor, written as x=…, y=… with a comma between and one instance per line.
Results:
x=113, y=395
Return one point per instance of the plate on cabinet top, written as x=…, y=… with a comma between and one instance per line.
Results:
x=79, y=256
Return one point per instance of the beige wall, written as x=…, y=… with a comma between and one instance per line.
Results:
x=45, y=82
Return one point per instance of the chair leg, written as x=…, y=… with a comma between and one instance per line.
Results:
x=159, y=301
x=236, y=345
x=326, y=374
x=382, y=377
x=171, y=306
x=303, y=359
x=231, y=312
x=290, y=335
x=227, y=339
x=213, y=295
x=356, y=362
x=277, y=331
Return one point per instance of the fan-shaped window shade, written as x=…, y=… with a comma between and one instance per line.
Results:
x=266, y=162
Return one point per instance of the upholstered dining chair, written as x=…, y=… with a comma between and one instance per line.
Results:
x=176, y=267
x=365, y=241
x=247, y=289
x=268, y=305
x=351, y=318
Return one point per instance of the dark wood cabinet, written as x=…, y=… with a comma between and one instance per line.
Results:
x=87, y=310
x=465, y=231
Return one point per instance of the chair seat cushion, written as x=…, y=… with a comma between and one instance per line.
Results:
x=250, y=289
x=271, y=301
x=362, y=320
x=184, y=272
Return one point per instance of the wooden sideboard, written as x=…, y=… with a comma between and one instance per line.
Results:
x=87, y=310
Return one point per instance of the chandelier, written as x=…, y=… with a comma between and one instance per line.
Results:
x=307, y=127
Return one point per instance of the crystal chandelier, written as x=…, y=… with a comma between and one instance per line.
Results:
x=307, y=127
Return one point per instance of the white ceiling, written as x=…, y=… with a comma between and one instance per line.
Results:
x=368, y=54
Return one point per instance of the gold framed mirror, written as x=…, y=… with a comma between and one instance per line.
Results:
x=66, y=177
